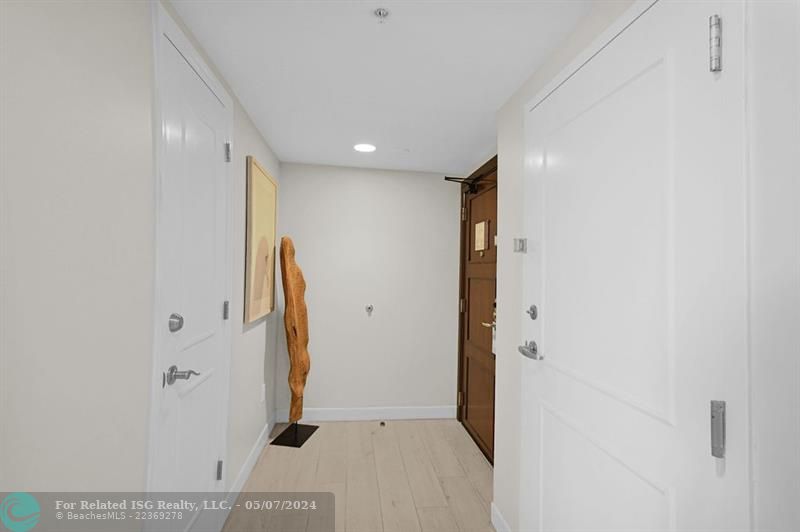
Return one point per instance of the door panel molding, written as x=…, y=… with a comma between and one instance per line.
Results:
x=618, y=395
x=664, y=494
x=639, y=8
x=658, y=77
x=595, y=441
x=164, y=24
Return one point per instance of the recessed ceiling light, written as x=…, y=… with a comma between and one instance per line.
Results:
x=364, y=148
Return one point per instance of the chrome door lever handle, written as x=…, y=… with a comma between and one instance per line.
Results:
x=174, y=374
x=487, y=325
x=530, y=350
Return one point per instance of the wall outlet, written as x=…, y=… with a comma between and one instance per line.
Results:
x=263, y=392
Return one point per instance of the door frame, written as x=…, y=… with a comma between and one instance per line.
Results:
x=486, y=168
x=165, y=24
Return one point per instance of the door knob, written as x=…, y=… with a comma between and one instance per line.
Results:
x=487, y=325
x=174, y=374
x=175, y=322
x=531, y=350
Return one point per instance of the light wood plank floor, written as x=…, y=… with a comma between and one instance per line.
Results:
x=407, y=476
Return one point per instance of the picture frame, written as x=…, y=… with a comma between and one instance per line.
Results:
x=260, y=242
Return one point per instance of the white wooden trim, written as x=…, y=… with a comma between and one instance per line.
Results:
x=250, y=462
x=373, y=413
x=157, y=158
x=498, y=521
x=163, y=24
x=612, y=32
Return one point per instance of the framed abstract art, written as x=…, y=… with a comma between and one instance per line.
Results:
x=262, y=199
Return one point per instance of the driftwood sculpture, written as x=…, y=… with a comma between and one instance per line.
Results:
x=295, y=321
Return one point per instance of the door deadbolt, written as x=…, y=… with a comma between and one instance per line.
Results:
x=175, y=322
x=533, y=312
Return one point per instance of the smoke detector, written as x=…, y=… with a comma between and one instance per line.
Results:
x=382, y=13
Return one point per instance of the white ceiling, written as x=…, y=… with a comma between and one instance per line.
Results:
x=424, y=87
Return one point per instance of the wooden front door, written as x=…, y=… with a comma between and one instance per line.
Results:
x=478, y=276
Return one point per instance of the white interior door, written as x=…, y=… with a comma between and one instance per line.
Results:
x=635, y=200
x=192, y=271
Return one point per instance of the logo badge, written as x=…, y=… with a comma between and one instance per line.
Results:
x=19, y=512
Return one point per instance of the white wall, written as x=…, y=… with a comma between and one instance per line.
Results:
x=77, y=252
x=774, y=121
x=77, y=244
x=386, y=238
x=510, y=150
x=253, y=357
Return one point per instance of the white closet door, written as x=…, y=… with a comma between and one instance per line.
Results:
x=635, y=200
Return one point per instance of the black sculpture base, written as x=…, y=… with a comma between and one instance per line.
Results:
x=295, y=435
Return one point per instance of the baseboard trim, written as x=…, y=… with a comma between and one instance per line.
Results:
x=499, y=523
x=373, y=413
x=250, y=462
x=271, y=421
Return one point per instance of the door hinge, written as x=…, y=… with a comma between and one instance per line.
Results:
x=463, y=214
x=227, y=152
x=462, y=305
x=718, y=429
x=219, y=469
x=226, y=310
x=460, y=398
x=715, y=43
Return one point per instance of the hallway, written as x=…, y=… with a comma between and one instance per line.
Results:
x=405, y=476
x=527, y=265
